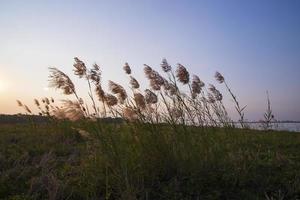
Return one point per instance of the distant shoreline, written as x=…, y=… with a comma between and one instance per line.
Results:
x=280, y=122
x=13, y=117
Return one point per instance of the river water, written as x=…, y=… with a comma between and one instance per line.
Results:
x=295, y=127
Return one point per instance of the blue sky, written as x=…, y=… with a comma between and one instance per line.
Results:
x=254, y=44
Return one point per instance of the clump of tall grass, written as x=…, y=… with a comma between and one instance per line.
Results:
x=176, y=97
x=159, y=153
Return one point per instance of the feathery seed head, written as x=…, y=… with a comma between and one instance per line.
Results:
x=198, y=81
x=148, y=71
x=182, y=74
x=165, y=65
x=154, y=85
x=139, y=100
x=217, y=94
x=96, y=67
x=134, y=83
x=197, y=85
x=19, y=103
x=111, y=100
x=95, y=74
x=169, y=88
x=219, y=77
x=100, y=93
x=119, y=90
x=156, y=80
x=150, y=97
x=80, y=68
x=36, y=102
x=47, y=101
x=27, y=109
x=127, y=68
x=212, y=88
x=60, y=80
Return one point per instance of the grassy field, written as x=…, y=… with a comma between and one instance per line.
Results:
x=59, y=160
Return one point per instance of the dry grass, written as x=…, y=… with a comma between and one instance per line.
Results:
x=165, y=101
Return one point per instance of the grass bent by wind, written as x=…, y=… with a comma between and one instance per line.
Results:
x=173, y=140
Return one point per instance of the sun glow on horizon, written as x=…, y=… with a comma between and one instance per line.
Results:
x=3, y=85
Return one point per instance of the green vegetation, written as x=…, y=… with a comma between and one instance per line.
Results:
x=174, y=140
x=58, y=160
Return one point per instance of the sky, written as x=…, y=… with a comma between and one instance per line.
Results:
x=254, y=44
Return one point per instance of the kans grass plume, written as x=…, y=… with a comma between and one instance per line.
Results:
x=127, y=68
x=172, y=96
x=150, y=97
x=182, y=74
x=100, y=93
x=134, y=83
x=217, y=94
x=197, y=85
x=156, y=80
x=80, y=68
x=165, y=65
x=139, y=100
x=111, y=100
x=219, y=77
x=95, y=74
x=118, y=90
x=60, y=80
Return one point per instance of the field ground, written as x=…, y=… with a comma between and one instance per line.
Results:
x=143, y=161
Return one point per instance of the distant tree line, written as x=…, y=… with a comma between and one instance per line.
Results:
x=20, y=118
